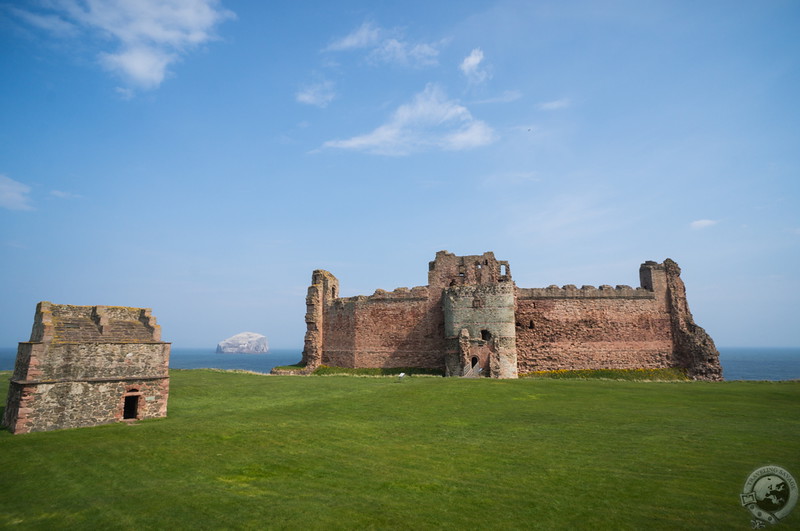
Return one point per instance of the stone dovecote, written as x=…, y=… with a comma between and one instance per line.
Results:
x=88, y=365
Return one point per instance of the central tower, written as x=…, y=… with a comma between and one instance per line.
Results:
x=478, y=306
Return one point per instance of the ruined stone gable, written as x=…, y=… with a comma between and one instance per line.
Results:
x=88, y=365
x=472, y=320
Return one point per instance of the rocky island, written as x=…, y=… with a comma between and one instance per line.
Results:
x=244, y=343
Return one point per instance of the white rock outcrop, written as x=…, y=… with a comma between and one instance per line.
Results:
x=244, y=343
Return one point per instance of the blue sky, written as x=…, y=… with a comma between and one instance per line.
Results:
x=202, y=158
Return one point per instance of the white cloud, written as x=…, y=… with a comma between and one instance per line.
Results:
x=144, y=66
x=64, y=195
x=387, y=46
x=471, y=67
x=430, y=121
x=365, y=36
x=554, y=105
x=14, y=194
x=702, y=224
x=403, y=53
x=319, y=94
x=150, y=35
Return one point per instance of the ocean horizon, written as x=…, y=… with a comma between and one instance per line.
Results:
x=738, y=363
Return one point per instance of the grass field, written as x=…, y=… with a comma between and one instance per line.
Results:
x=243, y=451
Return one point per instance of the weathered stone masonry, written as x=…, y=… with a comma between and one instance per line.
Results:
x=471, y=319
x=88, y=365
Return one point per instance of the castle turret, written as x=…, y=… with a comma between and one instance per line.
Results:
x=478, y=306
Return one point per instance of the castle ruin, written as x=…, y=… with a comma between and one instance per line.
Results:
x=88, y=365
x=472, y=320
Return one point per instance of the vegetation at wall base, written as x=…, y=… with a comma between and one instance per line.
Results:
x=246, y=451
x=295, y=367
x=659, y=375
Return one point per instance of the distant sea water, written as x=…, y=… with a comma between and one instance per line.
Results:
x=738, y=363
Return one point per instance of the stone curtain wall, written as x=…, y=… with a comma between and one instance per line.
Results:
x=399, y=329
x=472, y=316
x=592, y=333
x=80, y=364
x=388, y=329
x=340, y=334
x=614, y=328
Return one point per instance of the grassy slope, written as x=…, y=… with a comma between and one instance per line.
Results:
x=247, y=451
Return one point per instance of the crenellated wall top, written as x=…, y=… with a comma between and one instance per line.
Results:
x=399, y=294
x=570, y=291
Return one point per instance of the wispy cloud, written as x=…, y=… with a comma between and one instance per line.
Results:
x=506, y=97
x=150, y=35
x=554, y=105
x=319, y=94
x=702, y=224
x=50, y=23
x=64, y=195
x=562, y=218
x=14, y=194
x=404, y=53
x=387, y=46
x=471, y=67
x=430, y=121
x=365, y=36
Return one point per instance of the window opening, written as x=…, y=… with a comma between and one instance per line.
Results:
x=530, y=325
x=486, y=335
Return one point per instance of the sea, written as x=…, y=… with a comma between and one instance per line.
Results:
x=738, y=363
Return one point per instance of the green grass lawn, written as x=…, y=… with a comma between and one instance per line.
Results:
x=245, y=451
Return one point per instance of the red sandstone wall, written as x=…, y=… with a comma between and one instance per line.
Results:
x=399, y=333
x=339, y=325
x=592, y=333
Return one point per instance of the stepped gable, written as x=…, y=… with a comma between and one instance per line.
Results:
x=66, y=323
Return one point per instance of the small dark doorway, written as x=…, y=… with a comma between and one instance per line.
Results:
x=474, y=361
x=486, y=335
x=131, y=408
